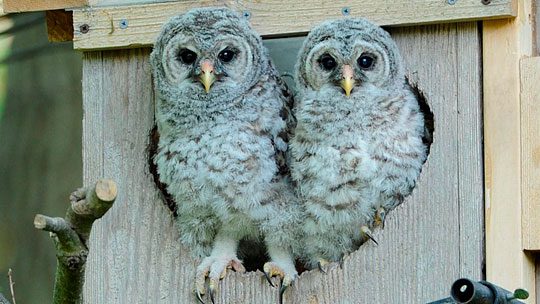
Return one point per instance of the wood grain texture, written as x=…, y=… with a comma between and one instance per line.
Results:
x=470, y=159
x=59, y=25
x=17, y=6
x=505, y=42
x=530, y=152
x=536, y=29
x=537, y=275
x=271, y=18
x=430, y=240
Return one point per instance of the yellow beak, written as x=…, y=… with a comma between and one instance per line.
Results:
x=347, y=83
x=207, y=77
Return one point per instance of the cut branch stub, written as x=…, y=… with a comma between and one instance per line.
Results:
x=71, y=234
x=90, y=204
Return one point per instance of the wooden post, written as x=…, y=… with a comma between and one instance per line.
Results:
x=505, y=42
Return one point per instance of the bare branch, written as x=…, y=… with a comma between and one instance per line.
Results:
x=71, y=234
x=11, y=284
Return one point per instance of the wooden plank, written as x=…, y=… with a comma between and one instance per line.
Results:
x=17, y=6
x=136, y=256
x=138, y=25
x=505, y=42
x=59, y=25
x=530, y=151
x=124, y=2
x=470, y=161
x=536, y=29
x=537, y=261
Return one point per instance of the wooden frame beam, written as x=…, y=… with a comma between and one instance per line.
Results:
x=59, y=25
x=138, y=25
x=505, y=44
x=530, y=152
x=17, y=6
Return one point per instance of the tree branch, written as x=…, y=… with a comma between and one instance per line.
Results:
x=71, y=234
x=11, y=286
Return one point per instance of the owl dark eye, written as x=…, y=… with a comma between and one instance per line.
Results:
x=187, y=56
x=226, y=55
x=365, y=61
x=327, y=62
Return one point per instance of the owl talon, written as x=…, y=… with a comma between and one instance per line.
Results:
x=269, y=279
x=285, y=271
x=199, y=297
x=341, y=261
x=281, y=292
x=380, y=216
x=211, y=291
x=321, y=265
x=365, y=230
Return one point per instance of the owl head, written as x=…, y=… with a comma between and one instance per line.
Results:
x=210, y=55
x=347, y=56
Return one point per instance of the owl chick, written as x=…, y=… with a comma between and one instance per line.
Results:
x=357, y=149
x=223, y=121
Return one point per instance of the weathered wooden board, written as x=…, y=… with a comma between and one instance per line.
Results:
x=15, y=6
x=537, y=277
x=530, y=152
x=505, y=42
x=433, y=238
x=138, y=25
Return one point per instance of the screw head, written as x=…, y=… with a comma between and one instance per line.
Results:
x=486, y=2
x=124, y=23
x=345, y=11
x=84, y=28
x=451, y=2
x=246, y=14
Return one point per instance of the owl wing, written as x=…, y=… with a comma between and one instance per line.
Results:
x=281, y=140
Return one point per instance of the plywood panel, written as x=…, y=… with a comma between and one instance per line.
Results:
x=141, y=23
x=136, y=257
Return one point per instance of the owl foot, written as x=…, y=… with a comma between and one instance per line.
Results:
x=214, y=268
x=287, y=273
x=380, y=216
x=367, y=232
x=321, y=264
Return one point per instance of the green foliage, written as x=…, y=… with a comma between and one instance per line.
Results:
x=521, y=294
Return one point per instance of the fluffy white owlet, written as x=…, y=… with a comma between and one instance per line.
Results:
x=357, y=149
x=222, y=117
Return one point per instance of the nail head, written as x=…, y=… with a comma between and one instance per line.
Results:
x=345, y=11
x=451, y=2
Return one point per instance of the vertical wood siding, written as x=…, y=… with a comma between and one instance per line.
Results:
x=433, y=238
